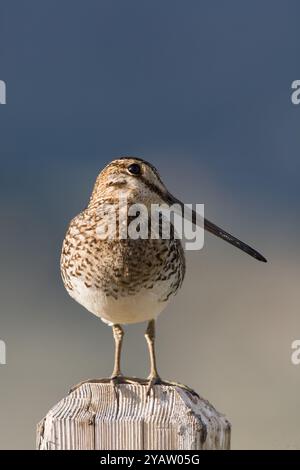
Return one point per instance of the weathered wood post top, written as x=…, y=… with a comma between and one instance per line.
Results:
x=171, y=418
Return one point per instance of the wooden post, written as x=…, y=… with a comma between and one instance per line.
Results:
x=91, y=417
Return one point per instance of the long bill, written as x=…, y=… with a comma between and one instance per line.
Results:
x=214, y=229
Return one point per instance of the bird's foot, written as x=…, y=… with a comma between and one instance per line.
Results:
x=153, y=379
x=178, y=384
x=157, y=380
x=115, y=381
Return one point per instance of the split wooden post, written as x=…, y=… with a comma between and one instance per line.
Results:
x=172, y=418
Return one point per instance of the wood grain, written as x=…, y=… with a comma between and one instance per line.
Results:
x=171, y=418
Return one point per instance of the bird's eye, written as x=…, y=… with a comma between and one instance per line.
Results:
x=134, y=169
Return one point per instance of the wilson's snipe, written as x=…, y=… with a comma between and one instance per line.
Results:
x=126, y=280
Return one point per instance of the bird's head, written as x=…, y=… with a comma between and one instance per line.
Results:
x=140, y=182
x=134, y=178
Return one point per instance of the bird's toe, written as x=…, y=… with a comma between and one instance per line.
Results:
x=152, y=380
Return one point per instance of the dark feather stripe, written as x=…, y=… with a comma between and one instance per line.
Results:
x=155, y=189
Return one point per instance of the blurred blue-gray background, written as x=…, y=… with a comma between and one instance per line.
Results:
x=202, y=90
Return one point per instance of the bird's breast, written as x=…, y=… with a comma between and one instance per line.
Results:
x=121, y=279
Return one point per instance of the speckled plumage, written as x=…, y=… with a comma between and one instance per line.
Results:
x=121, y=280
x=127, y=280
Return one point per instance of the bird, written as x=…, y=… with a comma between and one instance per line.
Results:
x=126, y=280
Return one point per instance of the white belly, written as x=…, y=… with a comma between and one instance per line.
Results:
x=142, y=306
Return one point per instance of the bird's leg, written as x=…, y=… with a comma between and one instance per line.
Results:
x=118, y=334
x=153, y=377
x=116, y=376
